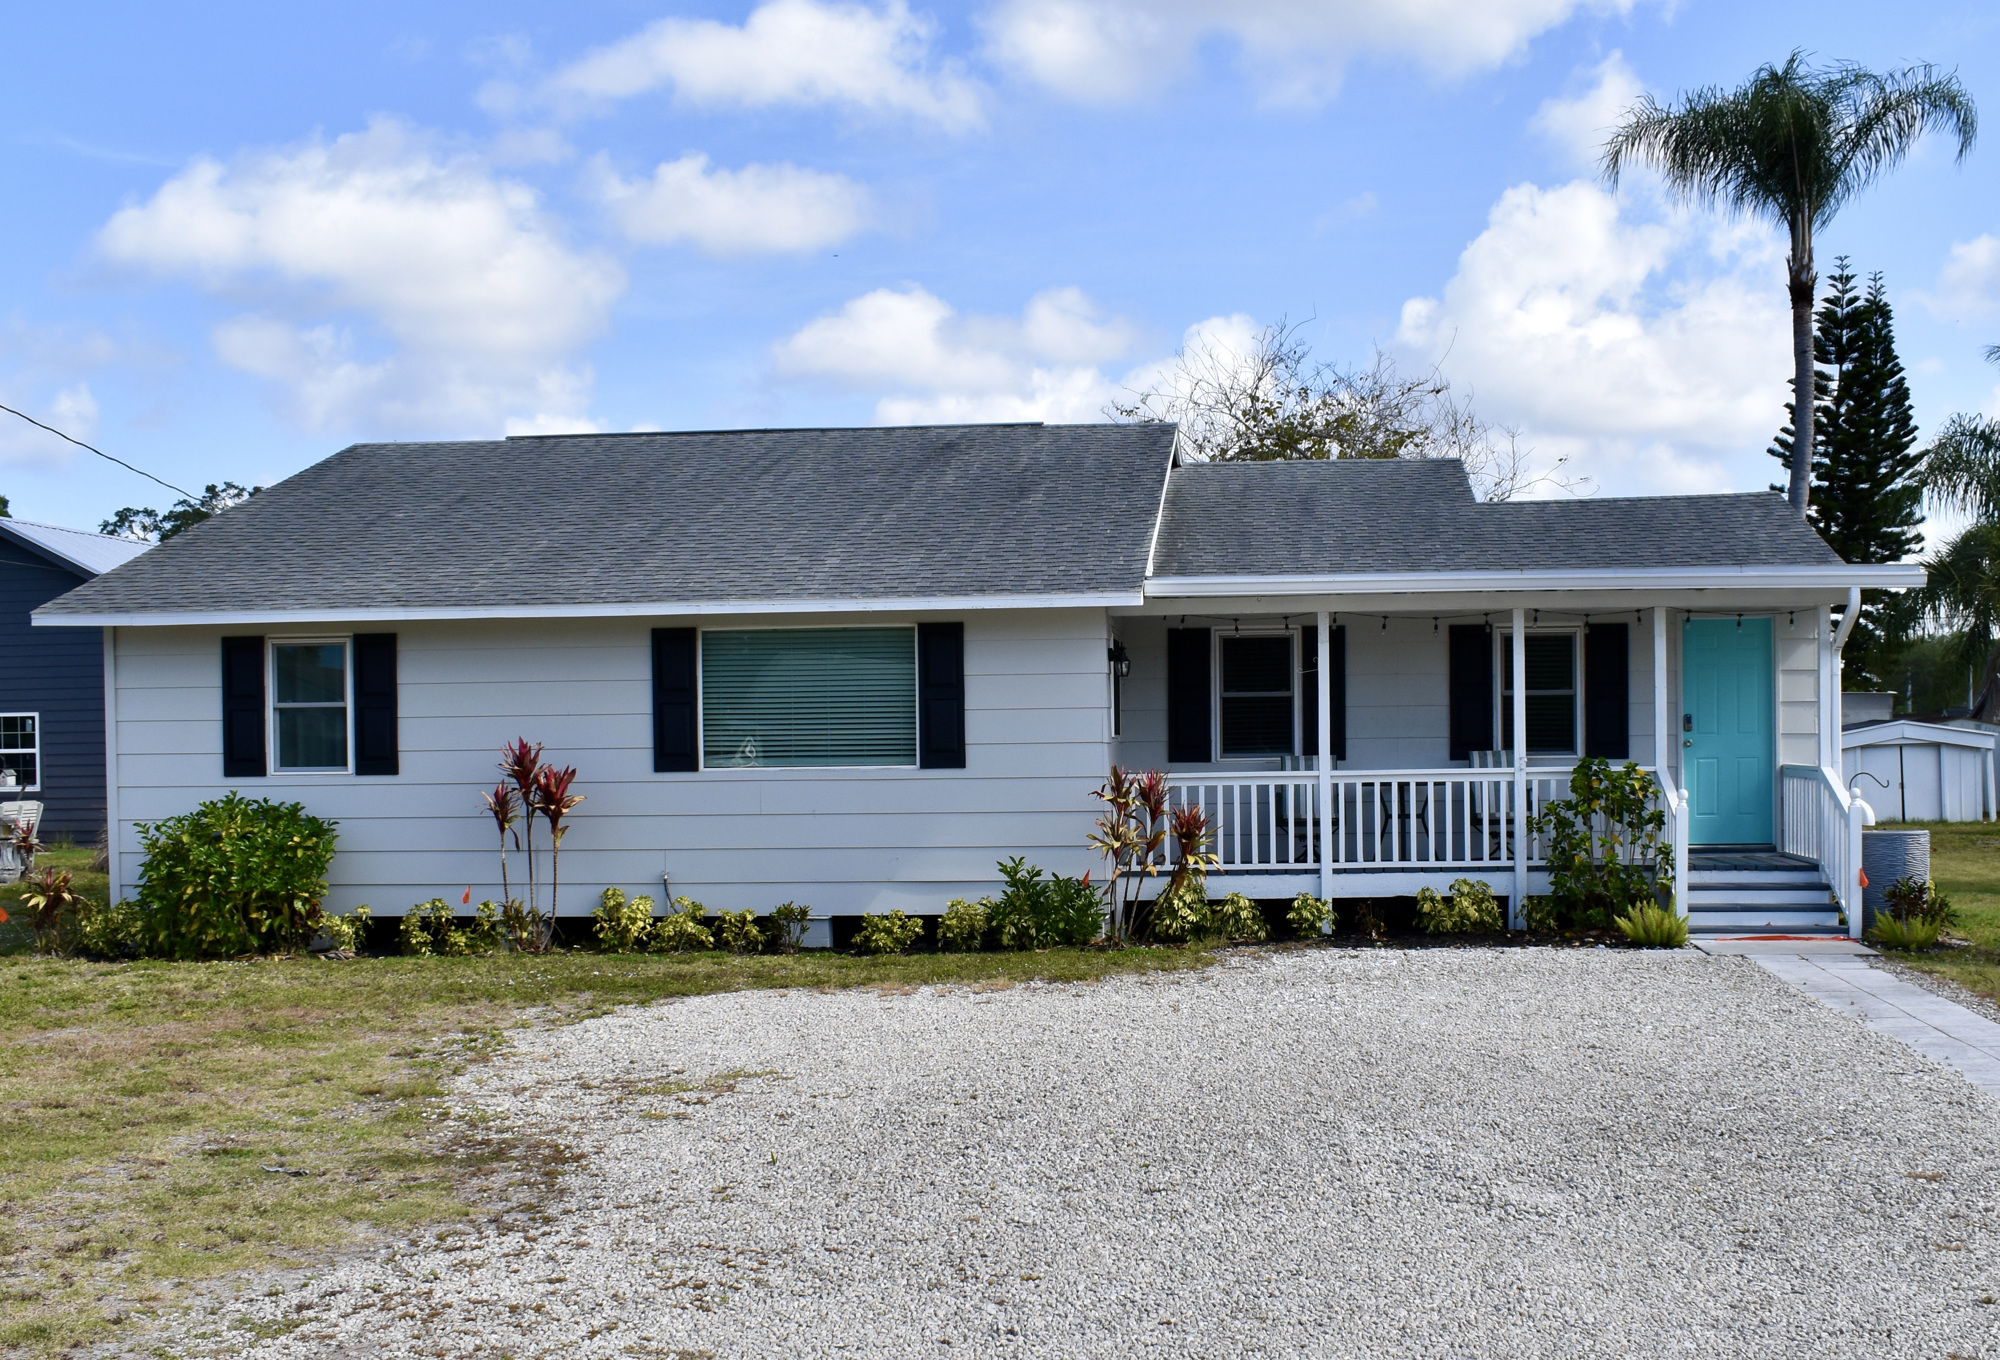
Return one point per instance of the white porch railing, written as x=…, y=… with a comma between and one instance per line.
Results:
x=1822, y=822
x=1381, y=819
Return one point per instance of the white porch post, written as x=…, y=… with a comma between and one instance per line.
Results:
x=1520, y=668
x=1829, y=690
x=1663, y=727
x=1325, y=754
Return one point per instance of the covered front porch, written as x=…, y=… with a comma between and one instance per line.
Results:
x=1393, y=764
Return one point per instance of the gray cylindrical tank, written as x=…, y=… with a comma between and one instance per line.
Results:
x=1887, y=856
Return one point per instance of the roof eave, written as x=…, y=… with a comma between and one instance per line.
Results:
x=1890, y=576
x=46, y=617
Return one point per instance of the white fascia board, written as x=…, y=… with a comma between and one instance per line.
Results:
x=664, y=609
x=1891, y=576
x=1901, y=733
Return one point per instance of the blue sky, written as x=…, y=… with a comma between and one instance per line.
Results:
x=237, y=242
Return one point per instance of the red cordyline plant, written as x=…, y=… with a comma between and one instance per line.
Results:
x=553, y=800
x=1131, y=834
x=504, y=806
x=530, y=790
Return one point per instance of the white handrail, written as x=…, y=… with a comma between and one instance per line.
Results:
x=1822, y=822
x=1674, y=801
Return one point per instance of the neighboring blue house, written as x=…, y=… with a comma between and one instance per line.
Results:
x=51, y=679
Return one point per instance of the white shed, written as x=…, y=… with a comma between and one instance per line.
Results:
x=1920, y=772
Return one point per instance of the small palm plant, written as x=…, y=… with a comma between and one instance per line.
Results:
x=553, y=800
x=52, y=907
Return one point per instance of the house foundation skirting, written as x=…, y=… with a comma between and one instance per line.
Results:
x=1361, y=882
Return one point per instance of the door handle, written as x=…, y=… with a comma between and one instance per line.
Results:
x=1688, y=742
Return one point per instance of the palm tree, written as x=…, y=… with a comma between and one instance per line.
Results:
x=1962, y=475
x=1792, y=145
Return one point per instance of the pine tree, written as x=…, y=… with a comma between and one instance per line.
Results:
x=1866, y=501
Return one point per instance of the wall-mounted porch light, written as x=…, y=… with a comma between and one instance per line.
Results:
x=1121, y=660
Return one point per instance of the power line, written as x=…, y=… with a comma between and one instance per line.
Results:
x=101, y=453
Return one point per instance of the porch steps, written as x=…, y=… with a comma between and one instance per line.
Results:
x=1743, y=892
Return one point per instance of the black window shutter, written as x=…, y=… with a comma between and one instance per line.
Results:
x=1336, y=680
x=1607, y=691
x=1309, y=690
x=941, y=696
x=674, y=724
x=375, y=743
x=1190, y=721
x=243, y=708
x=1471, y=679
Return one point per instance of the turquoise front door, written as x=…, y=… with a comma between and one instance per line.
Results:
x=1726, y=731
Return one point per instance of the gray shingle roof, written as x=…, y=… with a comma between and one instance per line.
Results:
x=1337, y=518
x=605, y=520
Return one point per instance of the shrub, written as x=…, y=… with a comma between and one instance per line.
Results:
x=52, y=909
x=1909, y=934
x=1470, y=907
x=111, y=932
x=1181, y=911
x=346, y=933
x=788, y=926
x=235, y=876
x=890, y=934
x=739, y=931
x=1607, y=850
x=680, y=931
x=964, y=924
x=1917, y=915
x=432, y=928
x=1236, y=917
x=1308, y=915
x=1016, y=919
x=622, y=926
x=1074, y=912
x=1651, y=926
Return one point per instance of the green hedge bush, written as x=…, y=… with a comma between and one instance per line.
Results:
x=235, y=876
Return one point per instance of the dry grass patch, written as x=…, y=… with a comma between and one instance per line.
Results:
x=141, y=1103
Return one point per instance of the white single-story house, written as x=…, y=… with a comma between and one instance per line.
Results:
x=854, y=668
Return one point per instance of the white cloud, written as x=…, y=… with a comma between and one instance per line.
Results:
x=1968, y=287
x=1653, y=353
x=72, y=409
x=1106, y=51
x=378, y=236
x=796, y=52
x=929, y=363
x=734, y=212
x=1579, y=125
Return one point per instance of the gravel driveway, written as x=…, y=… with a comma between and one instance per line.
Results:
x=1323, y=1153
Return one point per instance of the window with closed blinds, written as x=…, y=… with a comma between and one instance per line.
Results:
x=809, y=697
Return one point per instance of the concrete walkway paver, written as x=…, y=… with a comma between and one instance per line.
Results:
x=1941, y=1030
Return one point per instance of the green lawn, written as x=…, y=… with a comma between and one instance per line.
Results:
x=140, y=1102
x=1965, y=863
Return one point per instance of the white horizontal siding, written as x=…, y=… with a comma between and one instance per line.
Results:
x=841, y=840
x=1796, y=637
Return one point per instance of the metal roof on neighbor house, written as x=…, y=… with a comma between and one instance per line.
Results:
x=621, y=523
x=88, y=553
x=1356, y=517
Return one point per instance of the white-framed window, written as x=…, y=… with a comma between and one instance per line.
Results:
x=1553, y=670
x=1256, y=704
x=808, y=697
x=21, y=749
x=311, y=705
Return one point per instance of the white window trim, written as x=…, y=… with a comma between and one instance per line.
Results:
x=1502, y=705
x=35, y=787
x=1217, y=637
x=271, y=646
x=701, y=701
